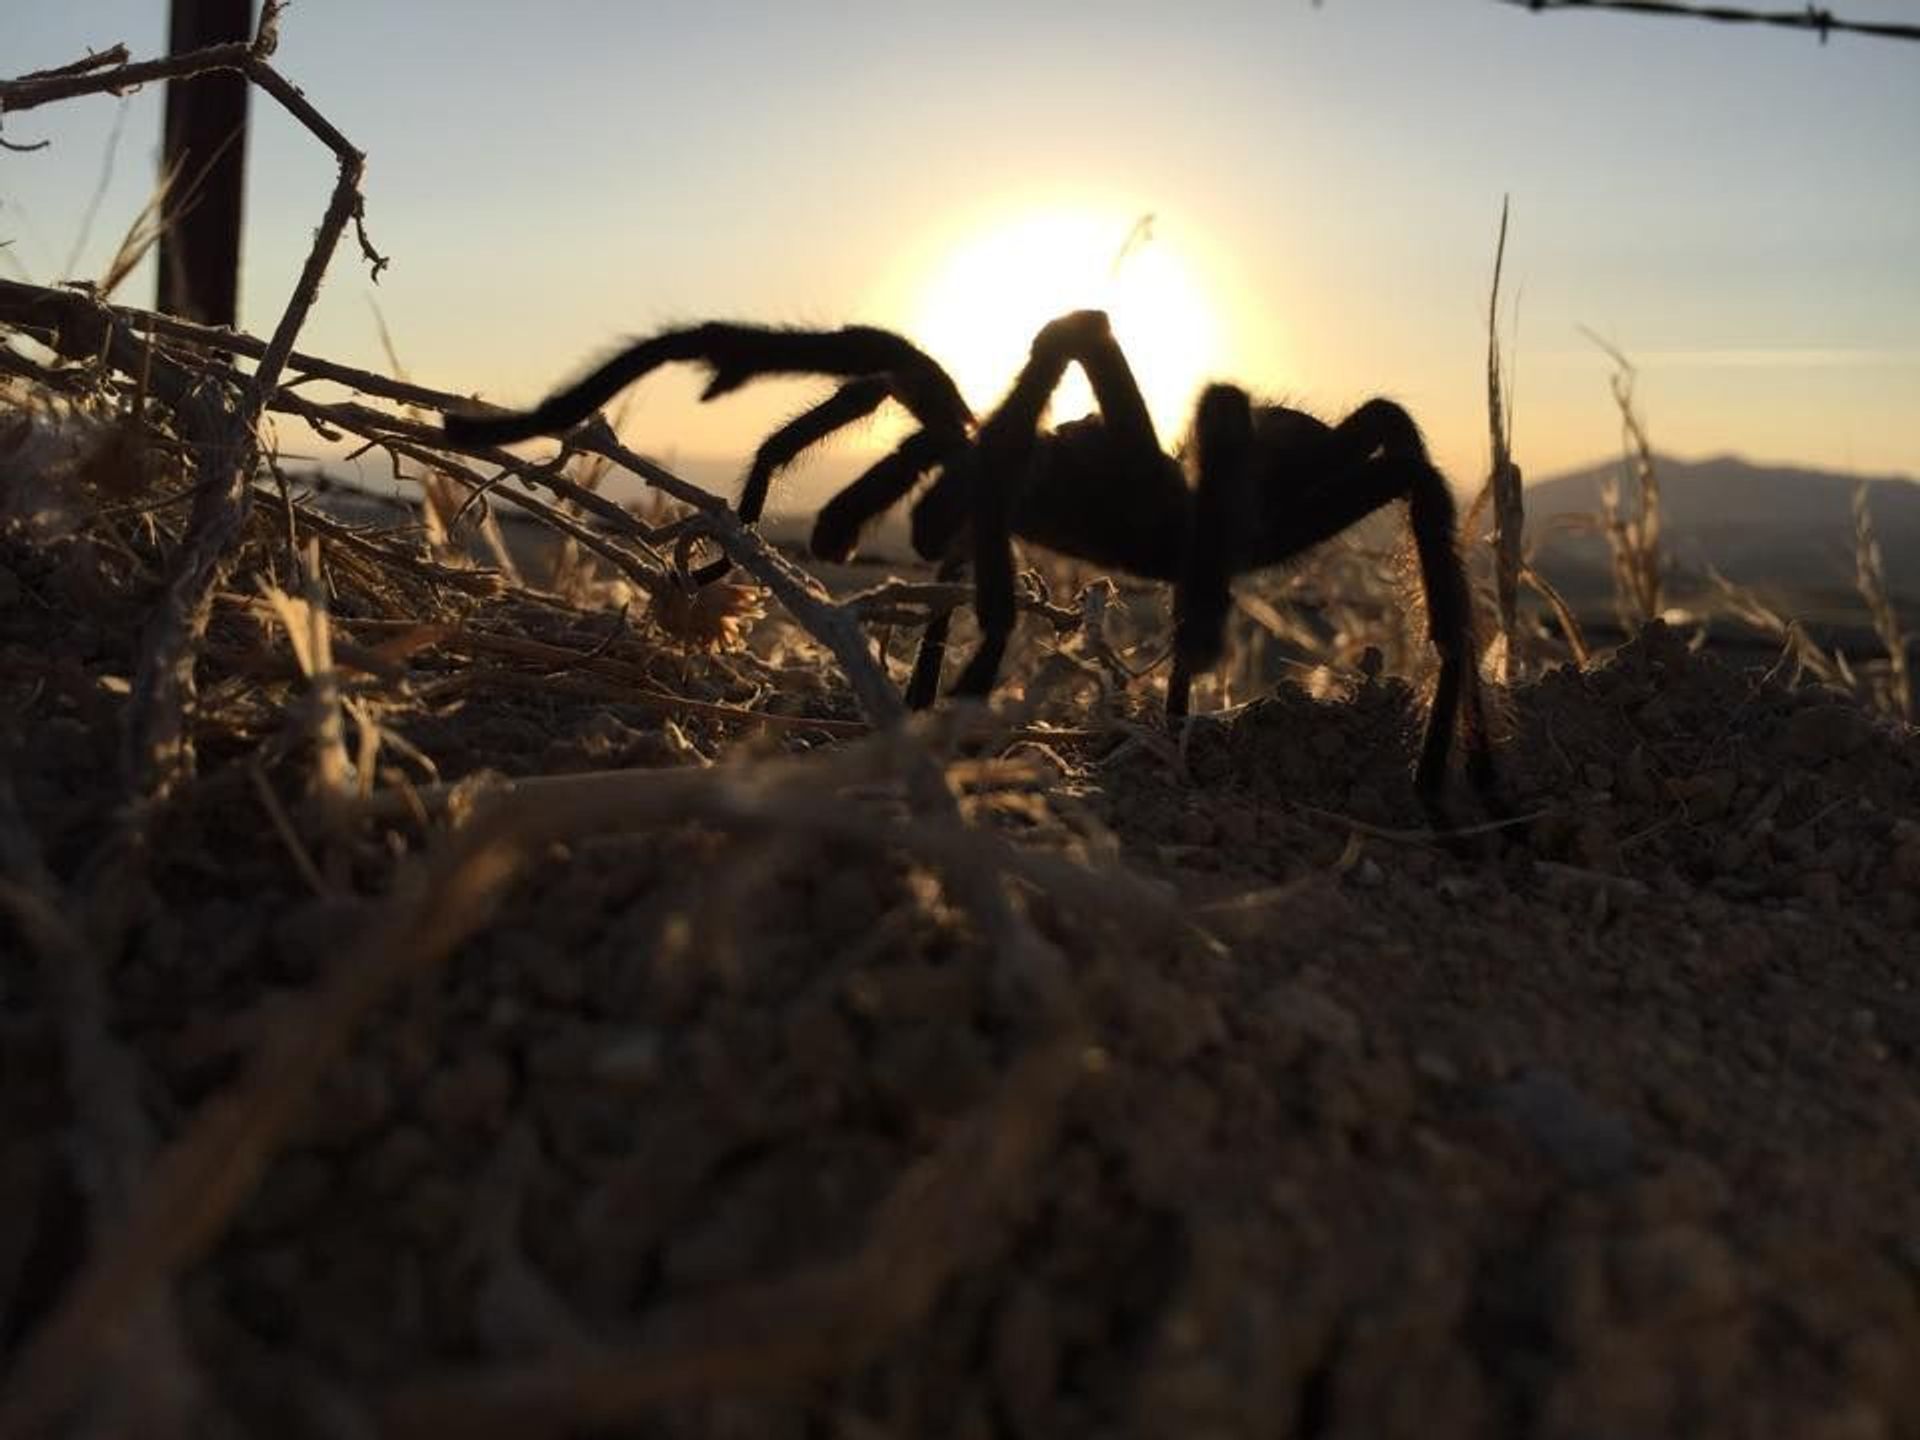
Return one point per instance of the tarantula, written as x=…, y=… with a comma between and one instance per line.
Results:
x=1270, y=483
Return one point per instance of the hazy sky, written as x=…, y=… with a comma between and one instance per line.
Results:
x=1738, y=209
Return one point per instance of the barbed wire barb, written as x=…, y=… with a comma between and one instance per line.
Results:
x=1816, y=18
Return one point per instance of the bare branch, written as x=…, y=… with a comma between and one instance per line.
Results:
x=220, y=426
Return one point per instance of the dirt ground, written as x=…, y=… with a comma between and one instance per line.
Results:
x=1231, y=1106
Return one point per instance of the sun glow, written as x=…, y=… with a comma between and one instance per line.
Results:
x=979, y=312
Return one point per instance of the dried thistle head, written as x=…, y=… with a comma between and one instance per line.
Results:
x=708, y=618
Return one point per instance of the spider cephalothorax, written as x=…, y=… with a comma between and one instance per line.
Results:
x=1268, y=483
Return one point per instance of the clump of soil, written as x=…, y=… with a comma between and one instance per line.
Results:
x=1604, y=1124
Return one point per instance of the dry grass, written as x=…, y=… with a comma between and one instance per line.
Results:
x=1631, y=528
x=1503, y=481
x=1630, y=511
x=1504, y=495
x=1871, y=576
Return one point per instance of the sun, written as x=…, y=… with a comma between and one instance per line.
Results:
x=979, y=310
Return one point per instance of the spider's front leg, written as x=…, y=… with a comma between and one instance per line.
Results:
x=733, y=356
x=1011, y=453
x=882, y=365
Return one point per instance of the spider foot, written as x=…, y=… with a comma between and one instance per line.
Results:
x=976, y=681
x=711, y=571
x=1179, y=695
x=1200, y=632
x=923, y=686
x=922, y=689
x=836, y=531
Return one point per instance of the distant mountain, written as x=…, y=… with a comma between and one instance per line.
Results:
x=1783, y=530
x=1777, y=528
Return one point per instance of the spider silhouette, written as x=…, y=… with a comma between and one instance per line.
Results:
x=1269, y=483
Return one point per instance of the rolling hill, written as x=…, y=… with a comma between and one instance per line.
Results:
x=1781, y=529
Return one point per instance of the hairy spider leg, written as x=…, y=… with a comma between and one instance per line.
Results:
x=1005, y=454
x=882, y=486
x=884, y=365
x=733, y=355
x=853, y=401
x=944, y=427
x=1223, y=436
x=944, y=419
x=1083, y=337
x=1372, y=458
x=945, y=423
x=923, y=686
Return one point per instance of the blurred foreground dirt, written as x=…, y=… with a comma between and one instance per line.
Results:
x=1608, y=1127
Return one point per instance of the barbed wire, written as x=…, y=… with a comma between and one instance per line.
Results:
x=1821, y=21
